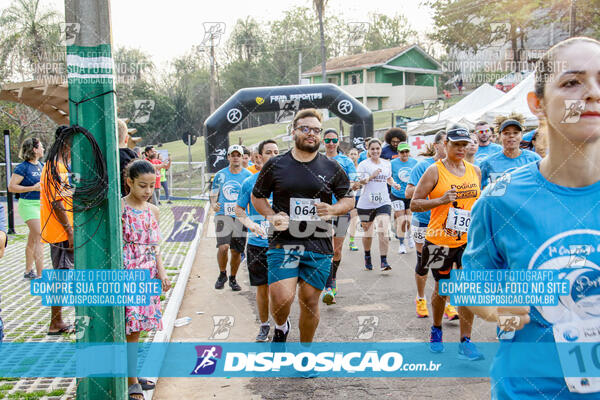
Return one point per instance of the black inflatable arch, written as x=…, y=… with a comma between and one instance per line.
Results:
x=279, y=98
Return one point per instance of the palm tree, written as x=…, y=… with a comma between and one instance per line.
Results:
x=320, y=7
x=30, y=38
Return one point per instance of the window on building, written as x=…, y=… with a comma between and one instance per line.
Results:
x=354, y=79
x=332, y=79
x=370, y=76
x=410, y=78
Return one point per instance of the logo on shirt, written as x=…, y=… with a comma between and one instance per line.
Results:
x=404, y=174
x=575, y=255
x=231, y=190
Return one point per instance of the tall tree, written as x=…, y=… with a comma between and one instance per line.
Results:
x=320, y=8
x=474, y=25
x=385, y=32
x=30, y=41
x=246, y=41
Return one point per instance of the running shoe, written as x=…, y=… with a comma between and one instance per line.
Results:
x=368, y=264
x=450, y=312
x=233, y=284
x=401, y=249
x=30, y=275
x=329, y=297
x=353, y=246
x=468, y=351
x=279, y=336
x=220, y=284
x=435, y=340
x=263, y=333
x=422, y=311
x=410, y=241
x=385, y=266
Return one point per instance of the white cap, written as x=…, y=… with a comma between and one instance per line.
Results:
x=235, y=147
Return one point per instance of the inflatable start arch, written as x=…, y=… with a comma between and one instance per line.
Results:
x=278, y=99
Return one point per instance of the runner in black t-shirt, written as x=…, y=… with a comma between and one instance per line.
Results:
x=302, y=182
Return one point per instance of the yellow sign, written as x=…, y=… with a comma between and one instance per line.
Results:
x=260, y=100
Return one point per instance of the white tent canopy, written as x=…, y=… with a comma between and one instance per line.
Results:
x=513, y=101
x=479, y=98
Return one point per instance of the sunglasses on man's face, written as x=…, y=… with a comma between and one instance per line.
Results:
x=484, y=131
x=306, y=130
x=332, y=140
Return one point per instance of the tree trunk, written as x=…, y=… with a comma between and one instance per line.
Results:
x=514, y=46
x=323, y=53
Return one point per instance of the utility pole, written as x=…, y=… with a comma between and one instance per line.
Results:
x=212, y=73
x=300, y=68
x=98, y=241
x=572, y=22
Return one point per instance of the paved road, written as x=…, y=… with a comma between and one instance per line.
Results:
x=387, y=296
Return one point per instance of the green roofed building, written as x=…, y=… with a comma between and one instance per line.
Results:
x=384, y=79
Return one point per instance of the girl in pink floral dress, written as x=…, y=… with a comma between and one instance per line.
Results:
x=141, y=238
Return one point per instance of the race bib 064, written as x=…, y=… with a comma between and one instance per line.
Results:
x=303, y=209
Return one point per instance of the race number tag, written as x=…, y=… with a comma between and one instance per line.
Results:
x=376, y=197
x=458, y=219
x=398, y=205
x=303, y=209
x=265, y=227
x=229, y=208
x=575, y=333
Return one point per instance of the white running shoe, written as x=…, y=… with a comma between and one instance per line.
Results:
x=401, y=249
x=410, y=241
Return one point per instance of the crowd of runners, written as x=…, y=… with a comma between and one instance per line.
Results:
x=476, y=198
x=480, y=198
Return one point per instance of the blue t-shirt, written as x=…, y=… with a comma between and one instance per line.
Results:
x=31, y=175
x=520, y=222
x=361, y=157
x=494, y=166
x=416, y=174
x=228, y=186
x=244, y=201
x=388, y=152
x=486, y=151
x=401, y=174
x=348, y=167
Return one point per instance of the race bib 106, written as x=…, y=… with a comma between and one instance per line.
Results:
x=376, y=197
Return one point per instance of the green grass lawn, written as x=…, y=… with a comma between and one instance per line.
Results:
x=381, y=119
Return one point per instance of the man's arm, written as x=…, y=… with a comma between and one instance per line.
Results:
x=410, y=190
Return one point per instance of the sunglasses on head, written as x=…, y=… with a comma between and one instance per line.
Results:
x=331, y=140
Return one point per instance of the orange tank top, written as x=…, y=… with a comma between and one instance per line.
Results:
x=467, y=191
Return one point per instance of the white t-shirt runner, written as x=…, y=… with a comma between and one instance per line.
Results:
x=375, y=193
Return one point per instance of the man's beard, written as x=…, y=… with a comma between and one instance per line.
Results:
x=306, y=147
